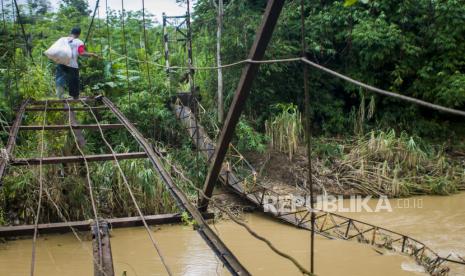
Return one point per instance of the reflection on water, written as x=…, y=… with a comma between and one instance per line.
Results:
x=187, y=253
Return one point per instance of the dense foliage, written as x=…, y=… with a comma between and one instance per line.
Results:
x=413, y=47
x=416, y=48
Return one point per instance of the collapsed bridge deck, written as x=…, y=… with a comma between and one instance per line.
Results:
x=103, y=252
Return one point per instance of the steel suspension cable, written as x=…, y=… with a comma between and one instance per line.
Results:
x=126, y=183
x=41, y=188
x=89, y=185
x=65, y=220
x=223, y=209
x=125, y=49
x=14, y=47
x=146, y=50
x=89, y=29
x=5, y=33
x=190, y=60
x=384, y=92
x=75, y=234
x=245, y=61
x=23, y=31
x=99, y=27
x=329, y=71
x=3, y=17
x=334, y=73
x=301, y=268
x=108, y=33
x=308, y=135
x=60, y=214
x=319, y=67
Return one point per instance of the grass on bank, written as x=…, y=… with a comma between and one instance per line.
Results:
x=378, y=163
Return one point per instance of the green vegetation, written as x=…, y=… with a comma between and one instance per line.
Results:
x=413, y=47
x=286, y=129
x=384, y=163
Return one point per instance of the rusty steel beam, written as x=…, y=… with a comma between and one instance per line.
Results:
x=74, y=126
x=103, y=266
x=215, y=243
x=64, y=227
x=76, y=159
x=12, y=139
x=175, y=16
x=86, y=99
x=270, y=18
x=35, y=109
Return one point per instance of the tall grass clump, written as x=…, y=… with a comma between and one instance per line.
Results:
x=363, y=114
x=384, y=163
x=150, y=192
x=285, y=129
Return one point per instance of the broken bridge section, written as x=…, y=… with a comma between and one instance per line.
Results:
x=102, y=253
x=238, y=175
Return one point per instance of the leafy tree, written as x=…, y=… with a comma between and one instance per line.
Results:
x=38, y=7
x=412, y=47
x=80, y=5
x=219, y=33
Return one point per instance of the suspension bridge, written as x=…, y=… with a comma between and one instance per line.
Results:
x=225, y=162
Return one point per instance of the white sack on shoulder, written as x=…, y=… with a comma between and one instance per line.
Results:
x=60, y=51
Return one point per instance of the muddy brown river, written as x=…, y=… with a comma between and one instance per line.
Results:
x=440, y=223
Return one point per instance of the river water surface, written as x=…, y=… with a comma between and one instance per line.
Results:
x=440, y=224
x=437, y=221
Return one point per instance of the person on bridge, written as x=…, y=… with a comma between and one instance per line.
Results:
x=68, y=75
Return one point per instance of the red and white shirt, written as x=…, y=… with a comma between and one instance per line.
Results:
x=77, y=49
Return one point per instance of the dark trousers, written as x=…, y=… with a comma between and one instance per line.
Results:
x=68, y=76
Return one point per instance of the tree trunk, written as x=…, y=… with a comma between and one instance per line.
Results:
x=219, y=20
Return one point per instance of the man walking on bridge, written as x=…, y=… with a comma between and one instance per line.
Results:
x=69, y=74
